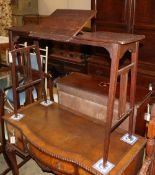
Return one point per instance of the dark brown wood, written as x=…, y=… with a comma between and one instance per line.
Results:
x=148, y=167
x=5, y=71
x=67, y=58
x=123, y=93
x=31, y=77
x=131, y=16
x=116, y=44
x=2, y=134
x=118, y=20
x=55, y=31
x=134, y=60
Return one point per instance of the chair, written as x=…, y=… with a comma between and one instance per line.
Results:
x=148, y=167
x=31, y=79
x=27, y=56
x=2, y=134
x=44, y=62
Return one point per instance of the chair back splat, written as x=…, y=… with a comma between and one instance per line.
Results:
x=32, y=79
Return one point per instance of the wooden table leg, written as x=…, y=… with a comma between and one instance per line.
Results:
x=10, y=151
x=112, y=91
x=2, y=133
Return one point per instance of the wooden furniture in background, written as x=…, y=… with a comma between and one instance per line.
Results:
x=33, y=19
x=21, y=8
x=66, y=58
x=131, y=16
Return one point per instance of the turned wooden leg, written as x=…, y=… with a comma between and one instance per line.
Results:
x=10, y=151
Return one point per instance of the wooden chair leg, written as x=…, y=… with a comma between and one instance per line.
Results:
x=12, y=157
x=7, y=159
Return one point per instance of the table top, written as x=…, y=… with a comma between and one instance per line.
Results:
x=61, y=25
x=69, y=136
x=108, y=37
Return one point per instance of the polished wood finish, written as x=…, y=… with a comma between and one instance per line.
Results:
x=131, y=16
x=116, y=44
x=148, y=167
x=67, y=143
x=55, y=31
x=43, y=31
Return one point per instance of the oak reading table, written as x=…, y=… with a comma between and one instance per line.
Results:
x=65, y=142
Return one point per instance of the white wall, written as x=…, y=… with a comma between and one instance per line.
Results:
x=46, y=7
x=79, y=4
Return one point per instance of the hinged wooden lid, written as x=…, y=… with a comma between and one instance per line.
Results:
x=61, y=25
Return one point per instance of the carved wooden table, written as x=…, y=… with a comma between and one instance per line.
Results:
x=66, y=143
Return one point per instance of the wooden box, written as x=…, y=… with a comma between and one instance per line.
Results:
x=89, y=95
